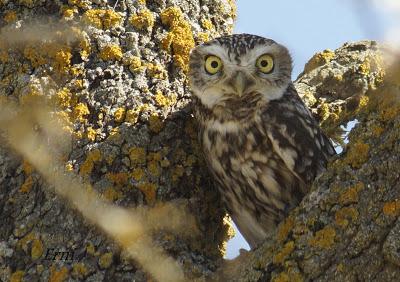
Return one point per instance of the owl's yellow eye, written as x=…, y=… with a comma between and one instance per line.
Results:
x=213, y=64
x=265, y=63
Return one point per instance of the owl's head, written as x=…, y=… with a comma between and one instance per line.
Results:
x=234, y=66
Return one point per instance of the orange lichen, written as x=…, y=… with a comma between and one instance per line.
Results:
x=392, y=208
x=27, y=185
x=284, y=229
x=111, y=52
x=58, y=275
x=10, y=16
x=118, y=178
x=345, y=214
x=149, y=190
x=377, y=130
x=287, y=249
x=27, y=167
x=103, y=19
x=180, y=37
x=350, y=195
x=357, y=154
x=142, y=20
x=323, y=238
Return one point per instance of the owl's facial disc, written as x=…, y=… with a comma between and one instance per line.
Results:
x=234, y=66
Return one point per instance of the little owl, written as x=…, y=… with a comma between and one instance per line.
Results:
x=261, y=144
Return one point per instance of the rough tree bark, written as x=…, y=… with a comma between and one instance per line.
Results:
x=115, y=72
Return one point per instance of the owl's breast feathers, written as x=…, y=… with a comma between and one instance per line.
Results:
x=263, y=162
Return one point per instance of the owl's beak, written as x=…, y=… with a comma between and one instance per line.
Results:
x=239, y=82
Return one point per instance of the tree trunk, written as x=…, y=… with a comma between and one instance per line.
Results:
x=114, y=72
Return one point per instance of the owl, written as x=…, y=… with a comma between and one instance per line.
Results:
x=262, y=145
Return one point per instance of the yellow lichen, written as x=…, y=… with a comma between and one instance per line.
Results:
x=111, y=194
x=323, y=238
x=180, y=36
x=85, y=47
x=62, y=60
x=377, y=130
x=87, y=166
x=137, y=174
x=119, y=115
x=154, y=168
x=164, y=101
x=357, y=154
x=91, y=134
x=37, y=249
x=343, y=215
x=281, y=277
x=319, y=59
x=58, y=275
x=137, y=155
x=392, y=208
x=105, y=260
x=10, y=16
x=134, y=63
x=69, y=167
x=17, y=276
x=287, y=249
x=79, y=270
x=207, y=24
x=350, y=195
x=84, y=4
x=80, y=111
x=132, y=116
x=284, y=229
x=103, y=19
x=177, y=173
x=155, y=123
x=156, y=71
x=64, y=98
x=111, y=52
x=68, y=12
x=203, y=37
x=27, y=185
x=142, y=20
x=90, y=249
x=149, y=190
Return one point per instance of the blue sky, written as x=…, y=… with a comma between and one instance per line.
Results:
x=310, y=26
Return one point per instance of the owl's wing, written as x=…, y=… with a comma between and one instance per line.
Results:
x=296, y=136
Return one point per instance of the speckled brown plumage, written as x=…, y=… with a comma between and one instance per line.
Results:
x=261, y=143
